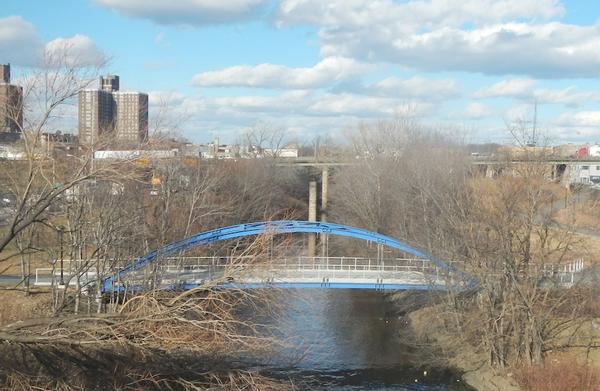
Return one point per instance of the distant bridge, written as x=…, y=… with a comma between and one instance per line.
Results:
x=476, y=160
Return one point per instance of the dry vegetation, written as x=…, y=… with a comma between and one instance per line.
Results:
x=559, y=373
x=584, y=215
x=197, y=339
x=13, y=305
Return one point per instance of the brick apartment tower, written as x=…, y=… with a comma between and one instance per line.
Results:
x=11, y=105
x=110, y=113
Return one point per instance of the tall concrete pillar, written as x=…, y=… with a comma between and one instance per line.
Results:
x=324, y=195
x=312, y=216
x=324, y=192
x=567, y=176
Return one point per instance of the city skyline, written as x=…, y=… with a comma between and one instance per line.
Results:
x=471, y=68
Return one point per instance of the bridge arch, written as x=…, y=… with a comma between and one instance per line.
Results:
x=273, y=227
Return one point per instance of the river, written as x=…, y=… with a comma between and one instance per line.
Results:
x=350, y=340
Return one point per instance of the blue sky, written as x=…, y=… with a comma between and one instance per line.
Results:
x=313, y=67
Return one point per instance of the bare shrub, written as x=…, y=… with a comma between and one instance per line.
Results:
x=563, y=375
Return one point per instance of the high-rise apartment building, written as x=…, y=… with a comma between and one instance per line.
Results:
x=109, y=113
x=131, y=116
x=11, y=103
x=95, y=115
x=5, y=73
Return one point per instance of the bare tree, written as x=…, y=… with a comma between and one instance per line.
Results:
x=265, y=139
x=38, y=180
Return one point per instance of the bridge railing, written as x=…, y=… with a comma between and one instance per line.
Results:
x=178, y=269
x=203, y=264
x=206, y=268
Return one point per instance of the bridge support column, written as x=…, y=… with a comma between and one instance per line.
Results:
x=489, y=172
x=312, y=216
x=324, y=196
x=324, y=193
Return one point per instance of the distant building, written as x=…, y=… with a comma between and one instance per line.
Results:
x=586, y=174
x=108, y=113
x=581, y=152
x=130, y=116
x=594, y=150
x=95, y=115
x=588, y=151
x=5, y=73
x=566, y=150
x=11, y=105
x=134, y=154
x=288, y=152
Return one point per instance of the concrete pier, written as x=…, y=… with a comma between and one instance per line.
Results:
x=312, y=216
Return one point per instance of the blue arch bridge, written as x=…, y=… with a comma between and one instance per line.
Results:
x=160, y=268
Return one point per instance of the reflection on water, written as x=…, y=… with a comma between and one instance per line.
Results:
x=349, y=341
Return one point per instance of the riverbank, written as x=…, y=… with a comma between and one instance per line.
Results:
x=426, y=327
x=477, y=373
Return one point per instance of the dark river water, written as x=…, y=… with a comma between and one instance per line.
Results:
x=350, y=340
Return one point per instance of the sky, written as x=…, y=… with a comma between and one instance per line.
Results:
x=317, y=68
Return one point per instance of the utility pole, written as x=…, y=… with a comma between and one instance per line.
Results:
x=61, y=231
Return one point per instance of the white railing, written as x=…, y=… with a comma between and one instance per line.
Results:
x=206, y=268
x=51, y=276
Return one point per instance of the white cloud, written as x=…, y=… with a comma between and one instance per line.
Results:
x=328, y=71
x=158, y=98
x=570, y=96
x=415, y=88
x=365, y=106
x=20, y=43
x=511, y=88
x=76, y=51
x=579, y=125
x=485, y=36
x=524, y=89
x=580, y=119
x=477, y=111
x=306, y=112
x=412, y=14
x=519, y=112
x=187, y=12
